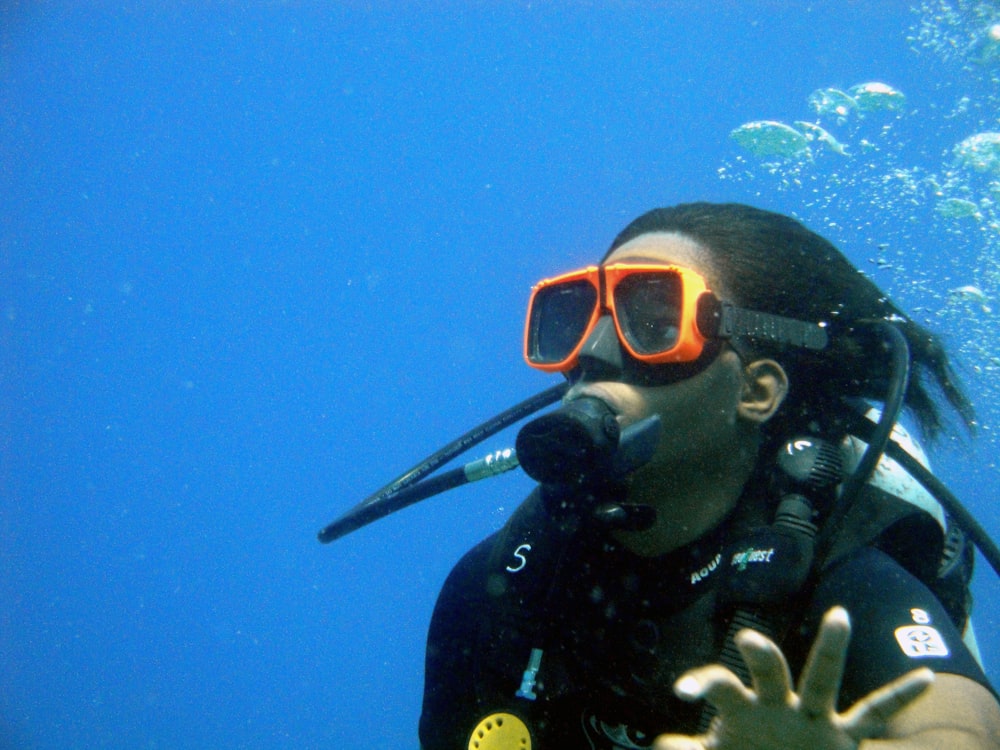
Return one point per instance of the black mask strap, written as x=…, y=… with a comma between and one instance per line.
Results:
x=719, y=319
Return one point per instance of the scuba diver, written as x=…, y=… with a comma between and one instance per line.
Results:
x=710, y=519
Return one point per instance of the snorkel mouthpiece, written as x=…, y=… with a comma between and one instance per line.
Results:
x=579, y=451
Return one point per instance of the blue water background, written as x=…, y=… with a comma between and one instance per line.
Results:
x=256, y=261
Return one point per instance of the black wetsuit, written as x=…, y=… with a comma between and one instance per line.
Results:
x=616, y=630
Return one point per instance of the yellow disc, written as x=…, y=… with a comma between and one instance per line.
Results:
x=500, y=732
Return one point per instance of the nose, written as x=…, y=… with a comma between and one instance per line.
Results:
x=601, y=357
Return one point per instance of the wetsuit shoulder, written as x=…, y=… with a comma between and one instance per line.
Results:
x=897, y=624
x=448, y=702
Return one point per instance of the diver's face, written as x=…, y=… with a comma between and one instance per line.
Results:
x=699, y=413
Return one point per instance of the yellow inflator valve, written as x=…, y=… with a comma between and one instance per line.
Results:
x=500, y=732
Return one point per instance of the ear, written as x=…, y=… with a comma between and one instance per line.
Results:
x=765, y=385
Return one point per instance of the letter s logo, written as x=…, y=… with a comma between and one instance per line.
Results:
x=522, y=560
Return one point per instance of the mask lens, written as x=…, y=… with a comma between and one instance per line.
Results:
x=559, y=318
x=648, y=306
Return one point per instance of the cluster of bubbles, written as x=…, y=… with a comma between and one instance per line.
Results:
x=771, y=139
x=913, y=190
x=958, y=32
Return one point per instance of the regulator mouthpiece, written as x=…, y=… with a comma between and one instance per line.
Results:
x=566, y=446
x=581, y=443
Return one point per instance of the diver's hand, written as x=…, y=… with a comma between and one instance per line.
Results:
x=771, y=716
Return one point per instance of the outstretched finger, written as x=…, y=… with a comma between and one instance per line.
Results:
x=869, y=716
x=819, y=684
x=772, y=679
x=717, y=685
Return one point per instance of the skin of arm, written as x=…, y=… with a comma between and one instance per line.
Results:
x=918, y=711
x=954, y=712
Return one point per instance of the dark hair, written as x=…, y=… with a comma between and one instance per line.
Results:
x=771, y=263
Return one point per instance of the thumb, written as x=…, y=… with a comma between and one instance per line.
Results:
x=678, y=742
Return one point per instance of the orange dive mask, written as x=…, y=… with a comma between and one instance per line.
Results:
x=662, y=313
